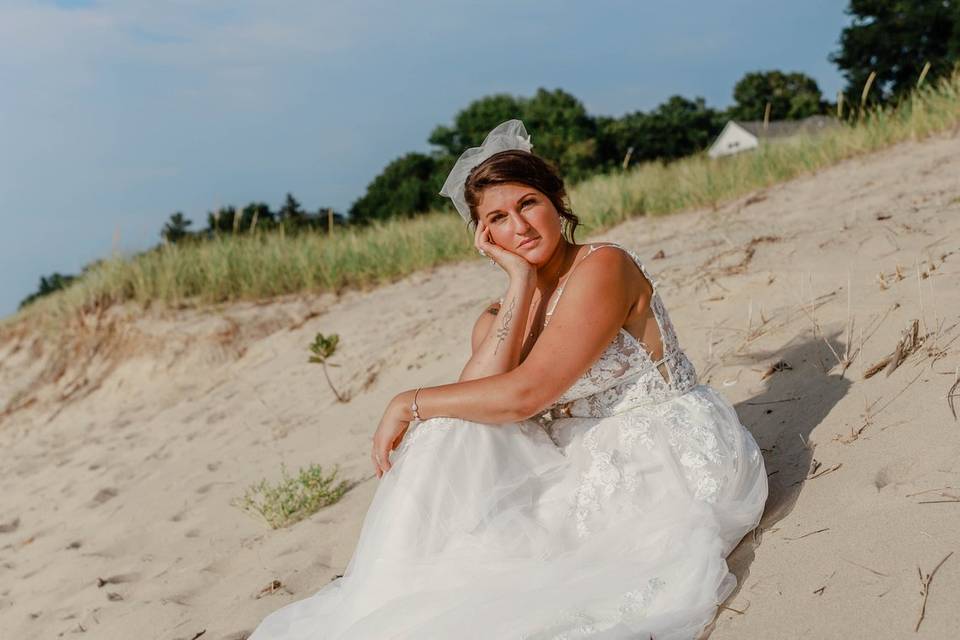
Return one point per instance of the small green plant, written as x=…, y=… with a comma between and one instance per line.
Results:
x=322, y=348
x=293, y=498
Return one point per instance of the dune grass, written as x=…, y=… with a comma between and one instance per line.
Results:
x=262, y=266
x=292, y=498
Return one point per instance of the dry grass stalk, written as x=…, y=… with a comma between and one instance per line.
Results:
x=855, y=433
x=825, y=471
x=847, y=359
x=779, y=365
x=948, y=497
x=909, y=342
x=953, y=393
x=723, y=606
x=920, y=493
x=925, y=589
x=808, y=534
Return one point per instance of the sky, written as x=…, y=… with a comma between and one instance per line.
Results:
x=116, y=113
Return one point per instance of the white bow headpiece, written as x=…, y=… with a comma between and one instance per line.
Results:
x=508, y=135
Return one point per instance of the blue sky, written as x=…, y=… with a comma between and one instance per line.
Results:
x=115, y=114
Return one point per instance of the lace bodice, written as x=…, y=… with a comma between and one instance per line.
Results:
x=625, y=375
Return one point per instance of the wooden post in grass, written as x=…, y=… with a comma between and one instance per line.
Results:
x=839, y=105
x=766, y=117
x=330, y=221
x=866, y=90
x=923, y=74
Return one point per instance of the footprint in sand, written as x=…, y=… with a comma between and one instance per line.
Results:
x=8, y=527
x=119, y=578
x=102, y=496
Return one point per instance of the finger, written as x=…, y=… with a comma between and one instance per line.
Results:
x=478, y=236
x=382, y=454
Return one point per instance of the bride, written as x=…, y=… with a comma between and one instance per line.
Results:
x=576, y=482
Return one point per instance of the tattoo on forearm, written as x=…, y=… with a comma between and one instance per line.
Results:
x=505, y=328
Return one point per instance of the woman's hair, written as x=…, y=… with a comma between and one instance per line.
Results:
x=516, y=165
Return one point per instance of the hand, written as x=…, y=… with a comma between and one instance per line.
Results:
x=387, y=437
x=514, y=264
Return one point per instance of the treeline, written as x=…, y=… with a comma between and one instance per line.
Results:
x=888, y=46
x=290, y=218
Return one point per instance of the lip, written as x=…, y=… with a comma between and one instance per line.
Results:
x=527, y=242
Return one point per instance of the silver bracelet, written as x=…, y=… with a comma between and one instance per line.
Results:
x=413, y=406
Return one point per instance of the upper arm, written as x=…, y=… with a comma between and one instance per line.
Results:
x=595, y=302
x=482, y=326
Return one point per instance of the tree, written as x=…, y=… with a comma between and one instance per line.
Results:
x=562, y=132
x=221, y=220
x=472, y=124
x=676, y=128
x=896, y=38
x=792, y=96
x=405, y=187
x=290, y=212
x=176, y=228
x=259, y=211
x=48, y=285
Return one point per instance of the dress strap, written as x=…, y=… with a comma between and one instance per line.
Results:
x=589, y=251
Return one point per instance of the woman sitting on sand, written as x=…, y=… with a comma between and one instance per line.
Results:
x=576, y=482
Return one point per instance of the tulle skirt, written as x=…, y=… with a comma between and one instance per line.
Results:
x=614, y=528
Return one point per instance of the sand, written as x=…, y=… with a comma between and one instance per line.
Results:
x=120, y=463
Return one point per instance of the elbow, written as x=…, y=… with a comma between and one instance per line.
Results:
x=527, y=401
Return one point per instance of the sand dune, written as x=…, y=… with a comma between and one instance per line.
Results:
x=120, y=463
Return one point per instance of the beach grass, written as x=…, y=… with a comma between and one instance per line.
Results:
x=292, y=498
x=266, y=265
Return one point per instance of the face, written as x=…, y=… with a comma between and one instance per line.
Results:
x=516, y=212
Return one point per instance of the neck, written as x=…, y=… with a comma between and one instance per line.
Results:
x=549, y=274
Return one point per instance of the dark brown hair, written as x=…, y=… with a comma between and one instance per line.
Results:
x=516, y=165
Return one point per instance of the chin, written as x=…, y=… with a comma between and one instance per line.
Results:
x=539, y=254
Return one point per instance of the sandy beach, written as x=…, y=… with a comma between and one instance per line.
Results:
x=120, y=460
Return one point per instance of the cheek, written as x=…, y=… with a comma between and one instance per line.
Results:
x=499, y=235
x=546, y=223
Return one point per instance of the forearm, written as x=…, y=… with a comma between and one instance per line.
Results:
x=496, y=399
x=500, y=350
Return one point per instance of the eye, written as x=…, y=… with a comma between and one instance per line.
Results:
x=527, y=201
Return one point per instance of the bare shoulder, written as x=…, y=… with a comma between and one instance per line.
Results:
x=609, y=266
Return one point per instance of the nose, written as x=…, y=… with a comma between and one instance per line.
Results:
x=520, y=224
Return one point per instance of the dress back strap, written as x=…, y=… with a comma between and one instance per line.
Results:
x=570, y=273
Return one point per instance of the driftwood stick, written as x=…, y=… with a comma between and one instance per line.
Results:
x=925, y=589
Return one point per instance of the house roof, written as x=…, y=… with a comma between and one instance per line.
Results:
x=783, y=128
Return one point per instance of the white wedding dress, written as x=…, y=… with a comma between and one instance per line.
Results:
x=609, y=517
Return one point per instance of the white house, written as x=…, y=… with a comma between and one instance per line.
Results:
x=740, y=135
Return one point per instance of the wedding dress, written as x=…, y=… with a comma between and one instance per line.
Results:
x=609, y=516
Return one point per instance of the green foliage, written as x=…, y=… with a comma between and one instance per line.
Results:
x=471, y=124
x=792, y=96
x=292, y=498
x=676, y=128
x=54, y=282
x=564, y=134
x=322, y=348
x=406, y=186
x=896, y=38
x=176, y=228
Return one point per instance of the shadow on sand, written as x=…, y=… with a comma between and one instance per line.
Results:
x=781, y=419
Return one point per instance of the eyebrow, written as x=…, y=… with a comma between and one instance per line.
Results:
x=519, y=200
